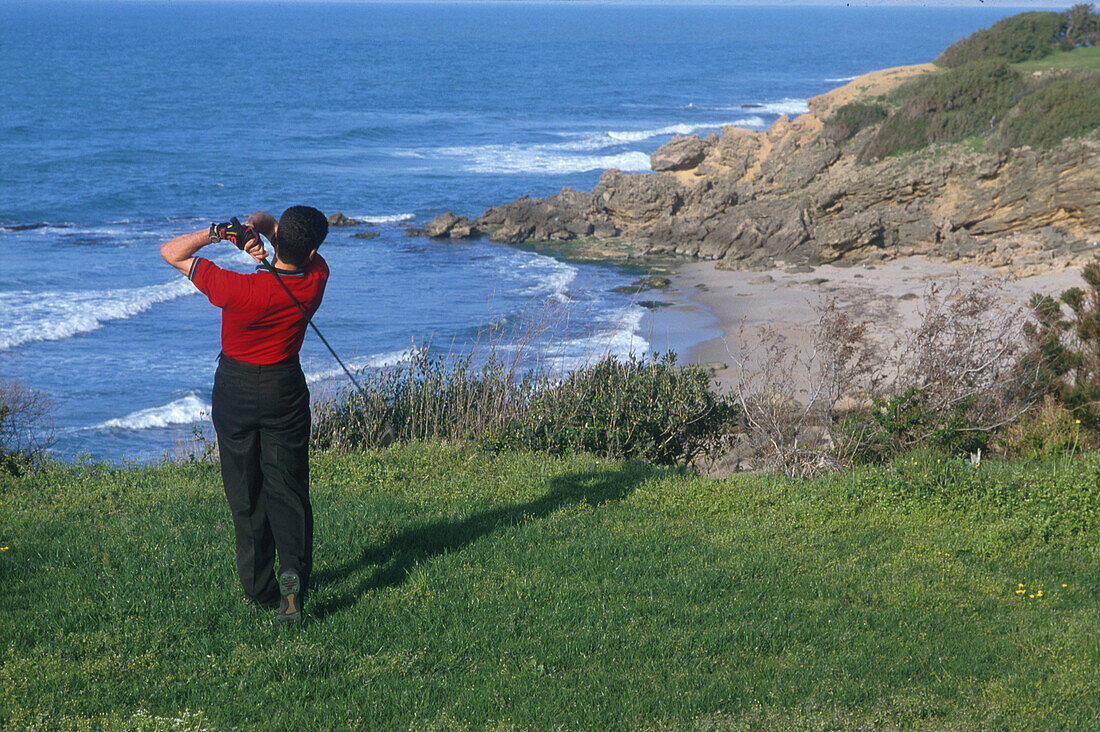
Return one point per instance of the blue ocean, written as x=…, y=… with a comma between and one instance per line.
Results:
x=123, y=124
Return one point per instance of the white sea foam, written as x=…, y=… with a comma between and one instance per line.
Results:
x=843, y=79
x=579, y=152
x=552, y=159
x=622, y=136
x=55, y=315
x=754, y=121
x=375, y=361
x=552, y=276
x=785, y=106
x=792, y=107
x=385, y=219
x=618, y=337
x=185, y=410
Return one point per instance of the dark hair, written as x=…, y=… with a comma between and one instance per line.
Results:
x=301, y=230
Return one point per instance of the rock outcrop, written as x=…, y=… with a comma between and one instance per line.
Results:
x=792, y=196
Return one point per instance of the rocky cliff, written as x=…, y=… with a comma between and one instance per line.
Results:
x=792, y=195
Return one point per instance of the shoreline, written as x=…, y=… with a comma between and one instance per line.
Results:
x=734, y=308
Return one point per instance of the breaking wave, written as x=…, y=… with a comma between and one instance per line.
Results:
x=580, y=152
x=681, y=129
x=552, y=277
x=55, y=315
x=551, y=159
x=376, y=361
x=385, y=219
x=185, y=410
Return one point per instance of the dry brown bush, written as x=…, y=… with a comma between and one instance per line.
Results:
x=26, y=425
x=810, y=409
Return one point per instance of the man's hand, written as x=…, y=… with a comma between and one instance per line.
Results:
x=236, y=232
x=255, y=249
x=264, y=223
x=243, y=235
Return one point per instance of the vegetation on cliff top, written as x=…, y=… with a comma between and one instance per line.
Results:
x=981, y=94
x=1026, y=37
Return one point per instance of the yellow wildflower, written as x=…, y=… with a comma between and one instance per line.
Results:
x=5, y=548
x=1064, y=585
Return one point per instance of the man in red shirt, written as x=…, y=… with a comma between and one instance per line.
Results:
x=260, y=402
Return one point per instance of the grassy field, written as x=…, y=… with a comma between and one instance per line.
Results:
x=459, y=589
x=1079, y=58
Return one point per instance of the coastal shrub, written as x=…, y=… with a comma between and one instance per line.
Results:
x=26, y=427
x=1014, y=39
x=899, y=423
x=959, y=381
x=1059, y=108
x=946, y=107
x=850, y=118
x=429, y=397
x=1080, y=26
x=1049, y=430
x=649, y=409
x=1064, y=340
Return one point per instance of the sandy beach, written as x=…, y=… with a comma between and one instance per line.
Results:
x=890, y=296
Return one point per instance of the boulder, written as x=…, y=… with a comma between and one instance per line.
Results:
x=339, y=219
x=681, y=153
x=450, y=225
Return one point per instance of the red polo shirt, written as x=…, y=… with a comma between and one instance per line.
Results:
x=260, y=323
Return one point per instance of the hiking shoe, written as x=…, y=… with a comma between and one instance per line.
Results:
x=290, y=601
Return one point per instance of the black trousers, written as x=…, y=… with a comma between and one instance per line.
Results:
x=261, y=416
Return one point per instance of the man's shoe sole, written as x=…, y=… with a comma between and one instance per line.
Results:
x=289, y=587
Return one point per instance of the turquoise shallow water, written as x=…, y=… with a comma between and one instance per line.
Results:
x=123, y=124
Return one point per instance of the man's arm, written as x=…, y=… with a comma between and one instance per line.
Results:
x=180, y=252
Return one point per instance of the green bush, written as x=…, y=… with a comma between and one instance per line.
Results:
x=1065, y=351
x=1062, y=107
x=1014, y=39
x=648, y=409
x=947, y=107
x=1049, y=430
x=850, y=118
x=903, y=422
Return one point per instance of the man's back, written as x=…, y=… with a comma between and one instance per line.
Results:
x=260, y=322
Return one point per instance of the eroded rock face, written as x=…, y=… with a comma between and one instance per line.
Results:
x=682, y=153
x=790, y=195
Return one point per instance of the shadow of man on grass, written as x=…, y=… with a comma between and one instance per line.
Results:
x=394, y=560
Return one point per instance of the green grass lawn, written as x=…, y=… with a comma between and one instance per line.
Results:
x=458, y=589
x=1087, y=57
